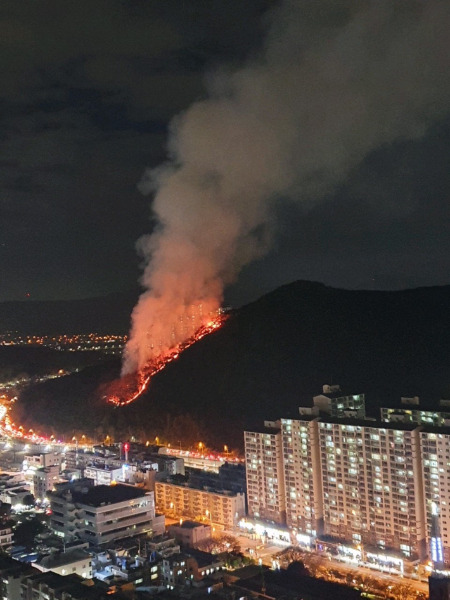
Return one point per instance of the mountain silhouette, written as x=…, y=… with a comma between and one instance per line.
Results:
x=268, y=358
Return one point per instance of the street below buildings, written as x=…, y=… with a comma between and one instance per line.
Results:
x=328, y=568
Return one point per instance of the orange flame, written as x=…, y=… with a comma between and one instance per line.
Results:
x=142, y=378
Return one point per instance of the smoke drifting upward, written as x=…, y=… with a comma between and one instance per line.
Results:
x=332, y=85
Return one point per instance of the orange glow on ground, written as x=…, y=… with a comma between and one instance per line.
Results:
x=123, y=392
x=9, y=429
x=129, y=388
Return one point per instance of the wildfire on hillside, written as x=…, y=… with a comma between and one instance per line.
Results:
x=129, y=387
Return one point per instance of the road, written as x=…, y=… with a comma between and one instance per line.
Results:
x=265, y=553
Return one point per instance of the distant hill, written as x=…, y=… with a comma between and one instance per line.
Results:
x=268, y=358
x=108, y=314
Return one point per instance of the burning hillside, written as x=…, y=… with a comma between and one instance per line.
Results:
x=132, y=385
x=288, y=129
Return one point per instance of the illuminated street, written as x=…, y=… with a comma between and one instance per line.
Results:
x=268, y=553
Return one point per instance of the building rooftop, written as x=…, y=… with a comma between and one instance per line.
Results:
x=189, y=525
x=263, y=429
x=444, y=430
x=301, y=417
x=58, y=559
x=103, y=467
x=204, y=559
x=202, y=488
x=335, y=391
x=177, y=558
x=370, y=423
x=71, y=584
x=100, y=495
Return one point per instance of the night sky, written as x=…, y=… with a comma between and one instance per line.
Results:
x=89, y=88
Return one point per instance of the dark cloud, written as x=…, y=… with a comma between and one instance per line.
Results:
x=88, y=90
x=385, y=228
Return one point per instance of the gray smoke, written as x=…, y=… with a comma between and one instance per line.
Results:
x=336, y=80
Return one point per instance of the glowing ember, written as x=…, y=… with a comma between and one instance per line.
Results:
x=130, y=387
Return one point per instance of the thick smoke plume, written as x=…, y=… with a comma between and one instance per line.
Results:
x=335, y=81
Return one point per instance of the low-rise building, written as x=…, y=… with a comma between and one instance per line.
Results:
x=203, y=564
x=78, y=562
x=45, y=586
x=161, y=546
x=170, y=465
x=44, y=480
x=6, y=537
x=37, y=460
x=103, y=475
x=223, y=508
x=174, y=570
x=192, y=566
x=103, y=513
x=12, y=573
x=190, y=533
x=14, y=495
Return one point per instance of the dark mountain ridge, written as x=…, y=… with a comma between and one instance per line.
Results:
x=271, y=356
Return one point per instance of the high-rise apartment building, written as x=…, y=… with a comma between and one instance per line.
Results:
x=373, y=484
x=266, y=494
x=302, y=474
x=435, y=452
x=371, y=490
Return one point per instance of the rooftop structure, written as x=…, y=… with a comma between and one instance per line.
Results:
x=409, y=410
x=336, y=404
